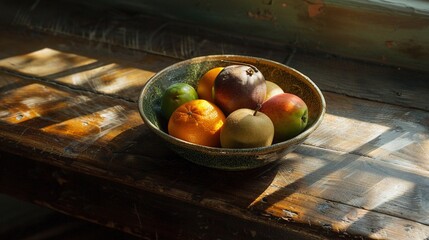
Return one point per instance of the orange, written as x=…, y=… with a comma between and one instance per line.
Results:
x=197, y=121
x=206, y=82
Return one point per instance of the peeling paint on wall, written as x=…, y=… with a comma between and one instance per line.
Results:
x=259, y=14
x=412, y=49
x=390, y=44
x=370, y=30
x=315, y=8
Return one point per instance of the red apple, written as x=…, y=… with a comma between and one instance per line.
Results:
x=289, y=114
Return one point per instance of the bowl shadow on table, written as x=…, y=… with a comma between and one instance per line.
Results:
x=146, y=155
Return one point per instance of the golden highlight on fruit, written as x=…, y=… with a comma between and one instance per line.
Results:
x=206, y=82
x=197, y=121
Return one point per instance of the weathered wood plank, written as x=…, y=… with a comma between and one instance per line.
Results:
x=45, y=62
x=280, y=208
x=386, y=128
x=79, y=125
x=334, y=181
x=363, y=80
x=380, y=131
x=357, y=181
x=114, y=144
x=141, y=213
x=363, y=171
x=79, y=65
x=316, y=187
x=374, y=134
x=75, y=64
x=135, y=31
x=122, y=72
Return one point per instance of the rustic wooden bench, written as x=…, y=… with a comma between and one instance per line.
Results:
x=72, y=140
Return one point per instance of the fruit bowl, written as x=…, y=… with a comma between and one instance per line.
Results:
x=190, y=71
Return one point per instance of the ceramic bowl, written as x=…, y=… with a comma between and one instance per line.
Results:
x=190, y=71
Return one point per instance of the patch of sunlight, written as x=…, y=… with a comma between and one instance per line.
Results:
x=109, y=79
x=385, y=194
x=89, y=77
x=386, y=190
x=106, y=123
x=345, y=133
x=371, y=139
x=405, y=134
x=44, y=62
x=33, y=101
x=116, y=85
x=4, y=113
x=77, y=79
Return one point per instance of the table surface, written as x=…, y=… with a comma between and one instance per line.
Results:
x=71, y=139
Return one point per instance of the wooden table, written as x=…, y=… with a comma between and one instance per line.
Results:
x=71, y=139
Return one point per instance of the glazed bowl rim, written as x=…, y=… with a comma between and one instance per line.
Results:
x=231, y=151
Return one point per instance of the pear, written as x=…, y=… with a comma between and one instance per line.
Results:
x=239, y=86
x=246, y=128
x=272, y=90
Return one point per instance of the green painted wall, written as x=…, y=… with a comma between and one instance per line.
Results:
x=391, y=32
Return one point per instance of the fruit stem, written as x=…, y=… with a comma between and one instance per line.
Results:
x=242, y=63
x=257, y=109
x=250, y=71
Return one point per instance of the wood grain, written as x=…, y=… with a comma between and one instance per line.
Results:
x=380, y=83
x=380, y=131
x=98, y=68
x=133, y=211
x=137, y=31
x=363, y=173
x=99, y=135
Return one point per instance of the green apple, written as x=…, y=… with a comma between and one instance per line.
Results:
x=246, y=128
x=289, y=114
x=176, y=95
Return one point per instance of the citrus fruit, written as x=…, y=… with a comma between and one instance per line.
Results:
x=176, y=95
x=206, y=82
x=197, y=121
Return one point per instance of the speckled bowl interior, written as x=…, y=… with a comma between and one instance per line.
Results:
x=190, y=71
